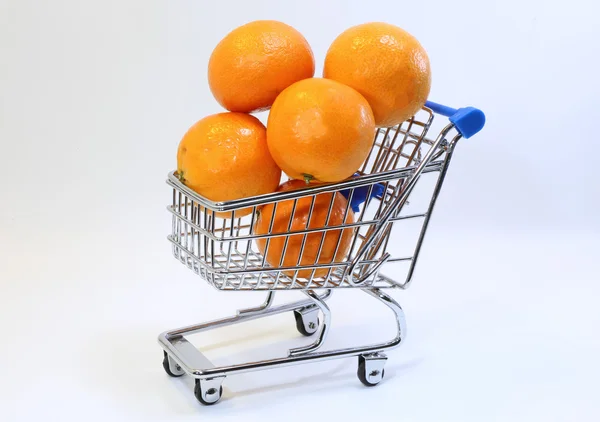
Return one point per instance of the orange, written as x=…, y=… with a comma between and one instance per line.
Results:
x=255, y=62
x=321, y=130
x=225, y=156
x=386, y=65
x=281, y=223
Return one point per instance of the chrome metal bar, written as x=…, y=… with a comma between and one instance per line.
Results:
x=178, y=220
x=308, y=221
x=248, y=242
x=363, y=180
x=303, y=243
x=398, y=153
x=259, y=309
x=297, y=232
x=238, y=271
x=268, y=241
x=212, y=241
x=364, y=275
x=222, y=231
x=383, y=147
x=229, y=244
x=339, y=241
x=388, y=280
x=185, y=224
x=434, y=197
x=185, y=353
x=360, y=217
x=286, y=241
x=289, y=229
x=205, y=219
x=174, y=225
x=324, y=235
x=390, y=150
x=205, y=231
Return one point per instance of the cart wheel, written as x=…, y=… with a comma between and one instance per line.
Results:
x=211, y=396
x=307, y=322
x=370, y=369
x=171, y=368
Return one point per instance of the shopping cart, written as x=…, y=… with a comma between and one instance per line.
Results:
x=220, y=247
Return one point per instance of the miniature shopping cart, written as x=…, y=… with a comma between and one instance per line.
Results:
x=214, y=243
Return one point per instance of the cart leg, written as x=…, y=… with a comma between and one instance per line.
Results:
x=209, y=391
x=371, y=365
x=320, y=304
x=395, y=307
x=269, y=301
x=257, y=310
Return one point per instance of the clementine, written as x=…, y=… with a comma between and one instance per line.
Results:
x=386, y=65
x=320, y=130
x=283, y=222
x=255, y=62
x=225, y=156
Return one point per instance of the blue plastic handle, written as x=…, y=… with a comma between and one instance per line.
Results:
x=468, y=120
x=360, y=194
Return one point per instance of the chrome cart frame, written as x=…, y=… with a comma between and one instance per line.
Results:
x=221, y=247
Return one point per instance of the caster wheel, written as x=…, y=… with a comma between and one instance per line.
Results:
x=171, y=367
x=370, y=370
x=307, y=323
x=211, y=396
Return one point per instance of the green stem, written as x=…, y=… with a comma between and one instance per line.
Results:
x=308, y=178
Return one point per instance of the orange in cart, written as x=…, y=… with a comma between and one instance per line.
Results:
x=283, y=222
x=386, y=64
x=255, y=62
x=225, y=156
x=320, y=130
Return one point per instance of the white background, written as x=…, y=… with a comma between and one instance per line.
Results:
x=503, y=314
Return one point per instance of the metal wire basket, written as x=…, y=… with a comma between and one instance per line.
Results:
x=211, y=241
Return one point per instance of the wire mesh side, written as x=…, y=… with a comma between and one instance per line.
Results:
x=231, y=260
x=399, y=146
